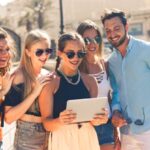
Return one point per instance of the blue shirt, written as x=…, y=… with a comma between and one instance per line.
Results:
x=130, y=80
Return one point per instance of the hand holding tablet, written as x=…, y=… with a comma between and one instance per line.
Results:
x=87, y=108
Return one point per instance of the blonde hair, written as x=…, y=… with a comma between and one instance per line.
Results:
x=25, y=64
x=10, y=43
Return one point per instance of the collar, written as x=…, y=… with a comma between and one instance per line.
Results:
x=130, y=44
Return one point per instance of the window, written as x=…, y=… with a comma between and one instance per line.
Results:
x=136, y=29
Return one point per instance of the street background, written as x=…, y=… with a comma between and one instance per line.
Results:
x=18, y=17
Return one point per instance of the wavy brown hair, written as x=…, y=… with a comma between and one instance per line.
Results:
x=83, y=26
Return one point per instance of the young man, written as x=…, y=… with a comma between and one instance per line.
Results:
x=129, y=68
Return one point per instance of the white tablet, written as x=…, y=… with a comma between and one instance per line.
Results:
x=87, y=108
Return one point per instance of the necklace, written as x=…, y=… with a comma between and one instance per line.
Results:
x=70, y=80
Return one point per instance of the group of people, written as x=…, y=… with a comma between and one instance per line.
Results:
x=36, y=98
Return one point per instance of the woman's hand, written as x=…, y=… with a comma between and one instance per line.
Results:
x=67, y=117
x=5, y=83
x=100, y=119
x=40, y=82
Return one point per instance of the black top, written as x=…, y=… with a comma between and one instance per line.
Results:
x=67, y=91
x=15, y=97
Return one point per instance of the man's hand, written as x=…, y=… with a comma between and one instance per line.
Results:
x=117, y=119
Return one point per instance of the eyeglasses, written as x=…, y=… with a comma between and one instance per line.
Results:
x=4, y=51
x=71, y=54
x=40, y=52
x=88, y=41
x=138, y=122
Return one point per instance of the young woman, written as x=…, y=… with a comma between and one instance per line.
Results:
x=22, y=99
x=6, y=52
x=94, y=65
x=69, y=83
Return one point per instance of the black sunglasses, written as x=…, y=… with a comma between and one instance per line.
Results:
x=138, y=122
x=71, y=54
x=97, y=40
x=40, y=52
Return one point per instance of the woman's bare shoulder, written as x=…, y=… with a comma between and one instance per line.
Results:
x=18, y=76
x=53, y=83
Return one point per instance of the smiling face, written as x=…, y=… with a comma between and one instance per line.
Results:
x=92, y=46
x=38, y=61
x=4, y=53
x=71, y=64
x=116, y=32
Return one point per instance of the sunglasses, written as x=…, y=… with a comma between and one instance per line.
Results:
x=71, y=54
x=138, y=122
x=96, y=40
x=40, y=52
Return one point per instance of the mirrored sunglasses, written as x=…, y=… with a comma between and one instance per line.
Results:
x=96, y=40
x=71, y=54
x=40, y=52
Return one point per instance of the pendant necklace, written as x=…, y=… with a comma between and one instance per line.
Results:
x=70, y=80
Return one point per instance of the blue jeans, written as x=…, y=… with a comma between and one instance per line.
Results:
x=105, y=133
x=30, y=136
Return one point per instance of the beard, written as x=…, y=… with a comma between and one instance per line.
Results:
x=120, y=42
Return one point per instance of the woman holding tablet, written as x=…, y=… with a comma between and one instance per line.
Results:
x=69, y=83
